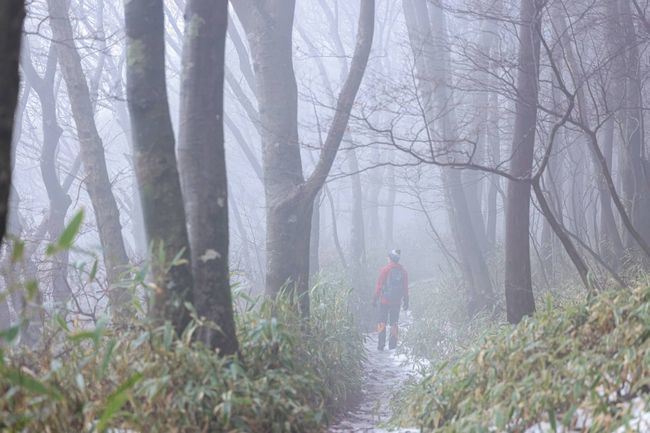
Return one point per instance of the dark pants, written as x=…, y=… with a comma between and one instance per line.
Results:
x=388, y=314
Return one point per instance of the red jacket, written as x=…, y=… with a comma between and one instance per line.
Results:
x=383, y=274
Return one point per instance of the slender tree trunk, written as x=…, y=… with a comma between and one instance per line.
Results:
x=358, y=259
x=253, y=269
x=472, y=244
x=155, y=160
x=638, y=188
x=495, y=180
x=314, y=242
x=203, y=167
x=92, y=154
x=12, y=14
x=487, y=128
x=58, y=197
x=375, y=179
x=518, y=285
x=335, y=230
x=389, y=220
x=558, y=229
x=611, y=245
x=427, y=33
x=119, y=106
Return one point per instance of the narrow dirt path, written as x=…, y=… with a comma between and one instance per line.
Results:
x=385, y=373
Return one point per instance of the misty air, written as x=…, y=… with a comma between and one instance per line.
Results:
x=271, y=216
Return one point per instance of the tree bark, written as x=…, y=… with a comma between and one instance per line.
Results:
x=12, y=14
x=96, y=178
x=202, y=161
x=289, y=198
x=518, y=285
x=155, y=160
x=638, y=188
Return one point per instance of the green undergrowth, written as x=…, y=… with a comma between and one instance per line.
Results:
x=291, y=378
x=584, y=359
x=440, y=329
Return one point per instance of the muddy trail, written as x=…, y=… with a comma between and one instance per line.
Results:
x=385, y=372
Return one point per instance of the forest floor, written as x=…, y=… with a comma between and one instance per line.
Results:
x=385, y=372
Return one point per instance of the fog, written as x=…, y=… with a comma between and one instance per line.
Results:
x=498, y=145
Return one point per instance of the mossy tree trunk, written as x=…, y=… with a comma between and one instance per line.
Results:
x=203, y=167
x=155, y=159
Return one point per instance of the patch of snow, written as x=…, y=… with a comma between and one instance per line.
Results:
x=385, y=373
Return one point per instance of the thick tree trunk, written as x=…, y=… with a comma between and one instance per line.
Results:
x=518, y=285
x=155, y=160
x=203, y=167
x=96, y=177
x=271, y=50
x=289, y=198
x=12, y=14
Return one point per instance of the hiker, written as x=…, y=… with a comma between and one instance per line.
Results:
x=391, y=289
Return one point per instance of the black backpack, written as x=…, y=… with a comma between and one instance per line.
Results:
x=394, y=286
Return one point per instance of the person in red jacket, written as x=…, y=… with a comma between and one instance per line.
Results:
x=392, y=288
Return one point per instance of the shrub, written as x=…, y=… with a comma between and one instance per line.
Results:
x=588, y=359
x=440, y=329
x=291, y=378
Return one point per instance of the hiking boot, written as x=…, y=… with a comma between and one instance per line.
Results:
x=381, y=336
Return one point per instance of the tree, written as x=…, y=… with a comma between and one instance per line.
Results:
x=155, y=159
x=518, y=283
x=203, y=166
x=636, y=184
x=12, y=14
x=96, y=176
x=289, y=196
x=57, y=194
x=427, y=34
